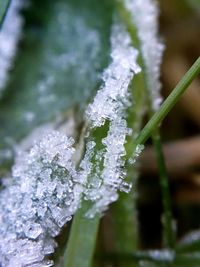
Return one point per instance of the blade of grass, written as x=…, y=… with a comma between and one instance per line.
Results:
x=83, y=233
x=4, y=4
x=167, y=219
x=169, y=103
x=82, y=239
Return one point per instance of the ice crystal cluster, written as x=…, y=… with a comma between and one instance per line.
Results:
x=45, y=189
x=144, y=16
x=113, y=97
x=110, y=104
x=42, y=196
x=9, y=36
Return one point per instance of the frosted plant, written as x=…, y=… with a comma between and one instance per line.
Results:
x=46, y=190
x=144, y=15
x=9, y=36
x=41, y=197
x=113, y=97
x=110, y=104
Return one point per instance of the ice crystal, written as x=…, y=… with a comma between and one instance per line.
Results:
x=9, y=36
x=145, y=18
x=110, y=105
x=113, y=95
x=42, y=196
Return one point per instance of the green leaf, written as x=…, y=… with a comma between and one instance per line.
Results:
x=63, y=53
x=82, y=241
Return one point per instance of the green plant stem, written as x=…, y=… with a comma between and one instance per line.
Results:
x=82, y=239
x=83, y=233
x=167, y=219
x=3, y=8
x=169, y=103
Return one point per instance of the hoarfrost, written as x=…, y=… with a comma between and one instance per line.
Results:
x=145, y=19
x=43, y=195
x=113, y=94
x=9, y=36
x=46, y=189
x=110, y=105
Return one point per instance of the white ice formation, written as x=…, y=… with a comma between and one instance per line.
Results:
x=144, y=15
x=46, y=190
x=113, y=96
x=110, y=104
x=10, y=34
x=42, y=196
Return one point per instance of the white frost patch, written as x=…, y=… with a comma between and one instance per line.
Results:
x=113, y=94
x=43, y=195
x=45, y=189
x=10, y=34
x=110, y=103
x=145, y=16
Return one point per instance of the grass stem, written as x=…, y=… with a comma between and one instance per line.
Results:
x=169, y=103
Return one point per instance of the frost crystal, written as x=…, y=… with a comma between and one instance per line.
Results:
x=144, y=16
x=110, y=104
x=113, y=95
x=43, y=195
x=9, y=36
